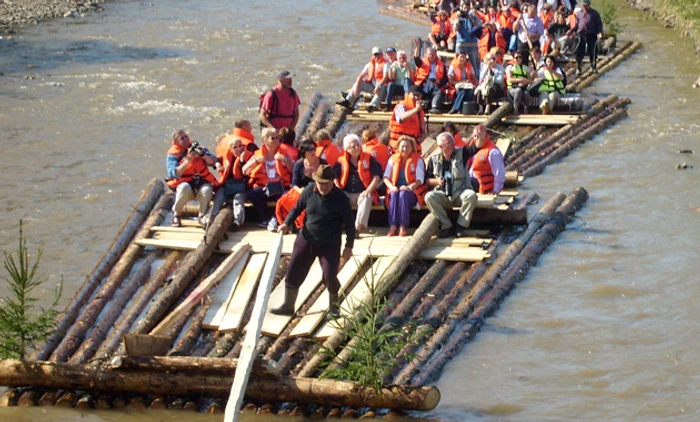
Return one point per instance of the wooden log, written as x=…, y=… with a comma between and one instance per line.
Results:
x=408, y=253
x=297, y=390
x=318, y=120
x=48, y=399
x=579, y=84
x=312, y=100
x=110, y=345
x=512, y=179
x=28, y=398
x=9, y=398
x=398, y=13
x=336, y=120
x=76, y=334
x=84, y=402
x=189, y=364
x=202, y=289
x=495, y=118
x=188, y=338
x=104, y=402
x=126, y=232
x=189, y=268
x=158, y=402
x=67, y=400
x=115, y=309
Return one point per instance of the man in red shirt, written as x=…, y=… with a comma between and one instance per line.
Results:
x=280, y=105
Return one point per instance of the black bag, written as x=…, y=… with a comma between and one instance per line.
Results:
x=273, y=189
x=534, y=90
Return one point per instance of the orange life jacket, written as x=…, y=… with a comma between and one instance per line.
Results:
x=196, y=167
x=484, y=46
x=462, y=74
x=459, y=142
x=442, y=28
x=546, y=46
x=412, y=126
x=482, y=168
x=547, y=18
x=246, y=137
x=233, y=166
x=424, y=70
x=258, y=176
x=507, y=21
x=571, y=21
x=378, y=150
x=329, y=152
x=409, y=173
x=376, y=69
x=363, y=170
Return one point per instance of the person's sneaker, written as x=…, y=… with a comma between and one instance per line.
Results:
x=578, y=71
x=434, y=111
x=461, y=231
x=445, y=233
x=272, y=225
x=371, y=109
x=545, y=107
x=452, y=112
x=344, y=94
x=344, y=103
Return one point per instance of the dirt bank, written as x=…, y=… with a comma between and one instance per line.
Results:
x=15, y=14
x=684, y=15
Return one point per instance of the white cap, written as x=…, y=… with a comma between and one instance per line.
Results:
x=376, y=50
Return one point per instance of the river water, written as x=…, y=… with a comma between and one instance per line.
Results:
x=604, y=328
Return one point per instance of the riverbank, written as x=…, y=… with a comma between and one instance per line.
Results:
x=684, y=15
x=15, y=14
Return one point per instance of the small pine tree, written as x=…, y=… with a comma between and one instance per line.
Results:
x=20, y=329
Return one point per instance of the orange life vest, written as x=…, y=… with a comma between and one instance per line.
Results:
x=484, y=46
x=459, y=142
x=482, y=168
x=442, y=28
x=363, y=170
x=233, y=167
x=378, y=150
x=258, y=176
x=196, y=167
x=223, y=146
x=412, y=126
x=547, y=18
x=507, y=21
x=375, y=70
x=462, y=74
x=546, y=46
x=329, y=152
x=571, y=21
x=424, y=70
x=410, y=171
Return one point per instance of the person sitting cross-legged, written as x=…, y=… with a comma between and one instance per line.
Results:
x=448, y=177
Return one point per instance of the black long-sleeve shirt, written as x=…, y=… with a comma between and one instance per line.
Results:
x=325, y=216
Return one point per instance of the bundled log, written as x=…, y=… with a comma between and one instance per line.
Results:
x=189, y=364
x=189, y=268
x=116, y=307
x=579, y=84
x=298, y=390
x=109, y=346
x=312, y=100
x=188, y=339
x=318, y=120
x=589, y=71
x=336, y=120
x=126, y=232
x=499, y=114
x=401, y=13
x=48, y=398
x=539, y=241
x=77, y=332
x=391, y=276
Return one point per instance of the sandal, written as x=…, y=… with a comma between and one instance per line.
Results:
x=176, y=221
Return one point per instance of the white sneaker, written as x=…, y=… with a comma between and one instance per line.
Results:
x=272, y=225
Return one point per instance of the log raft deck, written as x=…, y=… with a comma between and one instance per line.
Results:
x=191, y=292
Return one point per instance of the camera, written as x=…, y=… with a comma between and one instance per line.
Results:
x=447, y=187
x=198, y=149
x=460, y=13
x=424, y=104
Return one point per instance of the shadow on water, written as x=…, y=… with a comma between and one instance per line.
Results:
x=20, y=55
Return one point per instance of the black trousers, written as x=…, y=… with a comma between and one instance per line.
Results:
x=587, y=43
x=304, y=254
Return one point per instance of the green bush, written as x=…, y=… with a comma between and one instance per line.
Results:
x=608, y=14
x=21, y=330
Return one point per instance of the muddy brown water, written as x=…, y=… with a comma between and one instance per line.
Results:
x=603, y=328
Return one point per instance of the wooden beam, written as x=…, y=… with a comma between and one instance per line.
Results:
x=190, y=364
x=244, y=291
x=522, y=119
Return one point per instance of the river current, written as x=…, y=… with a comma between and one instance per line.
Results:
x=603, y=328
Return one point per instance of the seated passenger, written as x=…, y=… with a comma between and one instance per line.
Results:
x=288, y=139
x=490, y=38
x=375, y=148
x=325, y=148
x=408, y=118
x=403, y=177
x=506, y=19
x=451, y=128
x=231, y=183
x=369, y=81
x=401, y=76
x=187, y=166
x=487, y=168
x=441, y=30
x=518, y=77
x=448, y=178
x=462, y=82
x=431, y=76
x=358, y=175
x=270, y=175
x=490, y=87
x=552, y=85
x=242, y=129
x=302, y=174
x=546, y=15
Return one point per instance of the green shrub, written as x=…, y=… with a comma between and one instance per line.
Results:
x=608, y=14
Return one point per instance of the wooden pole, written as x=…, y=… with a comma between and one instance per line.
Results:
x=240, y=381
x=116, y=307
x=408, y=253
x=579, y=84
x=189, y=268
x=77, y=332
x=322, y=392
x=127, y=318
x=126, y=232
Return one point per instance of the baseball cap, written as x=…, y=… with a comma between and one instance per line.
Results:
x=376, y=50
x=285, y=74
x=390, y=50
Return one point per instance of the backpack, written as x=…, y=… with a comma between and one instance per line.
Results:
x=274, y=105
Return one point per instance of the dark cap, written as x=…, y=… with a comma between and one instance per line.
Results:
x=390, y=50
x=285, y=74
x=416, y=90
x=587, y=2
x=324, y=174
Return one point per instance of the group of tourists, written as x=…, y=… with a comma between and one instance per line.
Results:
x=536, y=35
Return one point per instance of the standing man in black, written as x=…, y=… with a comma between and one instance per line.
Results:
x=328, y=211
x=589, y=28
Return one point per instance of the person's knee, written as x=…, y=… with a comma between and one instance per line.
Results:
x=469, y=196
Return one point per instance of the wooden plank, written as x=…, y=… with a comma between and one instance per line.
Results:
x=317, y=312
x=274, y=324
x=347, y=308
x=247, y=355
x=523, y=119
x=222, y=296
x=176, y=244
x=503, y=144
x=200, y=291
x=244, y=292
